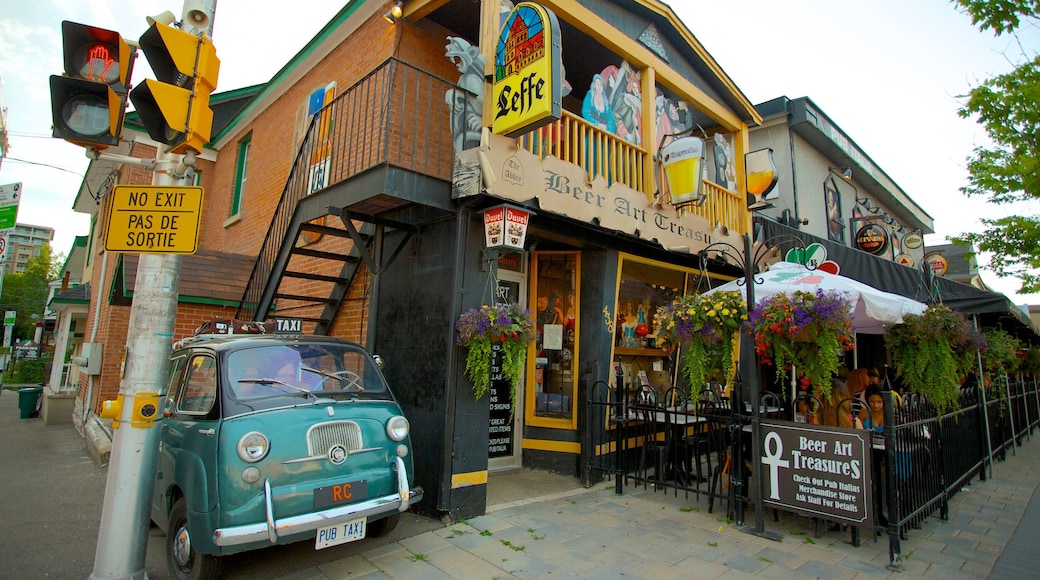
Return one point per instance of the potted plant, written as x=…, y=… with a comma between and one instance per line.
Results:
x=477, y=329
x=705, y=328
x=806, y=330
x=933, y=352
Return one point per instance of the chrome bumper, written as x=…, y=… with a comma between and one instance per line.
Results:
x=274, y=528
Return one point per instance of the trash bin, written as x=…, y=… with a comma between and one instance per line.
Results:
x=29, y=399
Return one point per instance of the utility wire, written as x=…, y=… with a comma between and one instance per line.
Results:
x=43, y=165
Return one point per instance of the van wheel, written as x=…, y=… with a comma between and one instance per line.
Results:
x=380, y=528
x=182, y=560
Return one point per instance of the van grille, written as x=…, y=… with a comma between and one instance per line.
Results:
x=321, y=438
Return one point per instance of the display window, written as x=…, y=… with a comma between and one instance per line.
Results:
x=648, y=369
x=551, y=403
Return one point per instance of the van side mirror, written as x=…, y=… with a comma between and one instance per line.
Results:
x=379, y=361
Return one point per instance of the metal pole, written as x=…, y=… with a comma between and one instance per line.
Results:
x=752, y=373
x=123, y=533
x=895, y=553
x=982, y=398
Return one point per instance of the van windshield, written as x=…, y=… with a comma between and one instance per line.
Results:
x=304, y=369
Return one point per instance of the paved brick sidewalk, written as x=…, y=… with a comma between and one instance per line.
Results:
x=642, y=534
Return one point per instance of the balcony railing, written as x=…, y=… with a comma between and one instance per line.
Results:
x=395, y=115
x=598, y=152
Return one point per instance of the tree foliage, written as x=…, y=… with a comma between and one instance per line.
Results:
x=26, y=292
x=1008, y=169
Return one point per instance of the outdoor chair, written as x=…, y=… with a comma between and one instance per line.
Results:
x=654, y=451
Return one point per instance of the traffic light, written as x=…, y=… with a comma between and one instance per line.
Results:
x=174, y=108
x=88, y=102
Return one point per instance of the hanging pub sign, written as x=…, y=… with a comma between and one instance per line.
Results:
x=872, y=239
x=505, y=226
x=683, y=163
x=906, y=260
x=913, y=241
x=528, y=87
x=938, y=264
x=760, y=176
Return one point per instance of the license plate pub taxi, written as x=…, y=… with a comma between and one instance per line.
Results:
x=272, y=439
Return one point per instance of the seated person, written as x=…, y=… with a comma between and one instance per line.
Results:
x=838, y=409
x=874, y=415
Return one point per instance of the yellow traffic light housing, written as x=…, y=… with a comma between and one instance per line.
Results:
x=174, y=108
x=88, y=102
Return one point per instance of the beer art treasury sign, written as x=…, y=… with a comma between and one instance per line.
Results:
x=514, y=174
x=818, y=471
x=528, y=88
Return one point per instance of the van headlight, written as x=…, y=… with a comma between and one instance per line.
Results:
x=397, y=428
x=253, y=447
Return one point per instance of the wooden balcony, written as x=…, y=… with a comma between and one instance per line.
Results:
x=600, y=153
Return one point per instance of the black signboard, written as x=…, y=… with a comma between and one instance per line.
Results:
x=872, y=239
x=817, y=471
x=500, y=420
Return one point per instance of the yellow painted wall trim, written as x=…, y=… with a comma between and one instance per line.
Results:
x=556, y=446
x=469, y=479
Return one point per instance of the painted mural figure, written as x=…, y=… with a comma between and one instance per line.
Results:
x=596, y=108
x=673, y=118
x=623, y=93
x=724, y=173
x=467, y=105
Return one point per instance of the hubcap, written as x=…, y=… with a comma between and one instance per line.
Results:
x=182, y=548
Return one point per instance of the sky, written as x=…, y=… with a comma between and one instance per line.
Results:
x=890, y=73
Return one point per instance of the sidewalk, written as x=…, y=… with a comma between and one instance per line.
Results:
x=597, y=534
x=51, y=496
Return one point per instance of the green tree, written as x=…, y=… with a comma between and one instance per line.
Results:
x=26, y=292
x=1008, y=170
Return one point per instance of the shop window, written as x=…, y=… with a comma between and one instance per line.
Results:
x=553, y=397
x=648, y=370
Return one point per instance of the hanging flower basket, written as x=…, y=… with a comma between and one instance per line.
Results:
x=933, y=352
x=510, y=325
x=705, y=329
x=809, y=331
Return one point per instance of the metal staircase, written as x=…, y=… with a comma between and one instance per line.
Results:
x=375, y=161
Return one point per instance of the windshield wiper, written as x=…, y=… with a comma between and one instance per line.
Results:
x=299, y=390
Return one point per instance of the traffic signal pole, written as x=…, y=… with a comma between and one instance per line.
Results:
x=125, y=517
x=123, y=534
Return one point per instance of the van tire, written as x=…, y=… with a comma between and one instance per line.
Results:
x=182, y=560
x=382, y=527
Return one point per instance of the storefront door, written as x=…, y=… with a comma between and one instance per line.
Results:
x=504, y=435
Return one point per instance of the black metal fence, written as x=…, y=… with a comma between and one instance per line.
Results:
x=922, y=459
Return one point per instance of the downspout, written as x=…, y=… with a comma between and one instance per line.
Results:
x=794, y=181
x=93, y=332
x=462, y=227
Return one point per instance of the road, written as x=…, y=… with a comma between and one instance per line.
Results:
x=51, y=497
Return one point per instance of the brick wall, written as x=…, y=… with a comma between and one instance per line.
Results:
x=273, y=148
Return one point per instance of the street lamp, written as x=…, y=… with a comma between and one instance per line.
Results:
x=747, y=259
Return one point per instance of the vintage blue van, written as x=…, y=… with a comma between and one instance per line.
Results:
x=272, y=439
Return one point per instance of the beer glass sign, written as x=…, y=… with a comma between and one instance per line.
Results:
x=760, y=172
x=683, y=164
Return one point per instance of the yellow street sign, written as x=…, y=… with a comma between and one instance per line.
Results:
x=154, y=219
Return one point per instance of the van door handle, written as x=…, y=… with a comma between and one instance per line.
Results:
x=207, y=431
